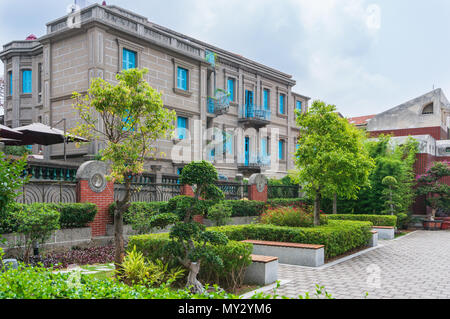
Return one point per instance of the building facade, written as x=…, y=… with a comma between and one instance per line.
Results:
x=425, y=118
x=232, y=111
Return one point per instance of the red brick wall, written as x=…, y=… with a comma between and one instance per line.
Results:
x=102, y=200
x=437, y=132
x=253, y=193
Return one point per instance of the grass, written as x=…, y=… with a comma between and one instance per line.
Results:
x=102, y=275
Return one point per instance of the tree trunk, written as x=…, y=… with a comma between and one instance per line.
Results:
x=192, y=283
x=317, y=208
x=335, y=203
x=119, y=242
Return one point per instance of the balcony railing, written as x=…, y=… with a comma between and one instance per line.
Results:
x=254, y=161
x=258, y=113
x=219, y=104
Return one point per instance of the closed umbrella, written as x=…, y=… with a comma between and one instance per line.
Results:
x=7, y=132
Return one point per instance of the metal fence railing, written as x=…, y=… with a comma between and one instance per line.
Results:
x=282, y=191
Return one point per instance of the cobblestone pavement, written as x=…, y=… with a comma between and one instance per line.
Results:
x=414, y=266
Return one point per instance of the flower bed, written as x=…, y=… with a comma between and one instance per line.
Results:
x=376, y=220
x=338, y=236
x=291, y=216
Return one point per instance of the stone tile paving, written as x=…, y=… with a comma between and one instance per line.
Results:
x=413, y=266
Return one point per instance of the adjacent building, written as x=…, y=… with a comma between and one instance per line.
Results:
x=232, y=111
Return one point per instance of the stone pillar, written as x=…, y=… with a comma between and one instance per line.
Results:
x=240, y=180
x=92, y=187
x=257, y=187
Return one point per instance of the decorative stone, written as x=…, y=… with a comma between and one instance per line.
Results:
x=259, y=180
x=10, y=264
x=94, y=172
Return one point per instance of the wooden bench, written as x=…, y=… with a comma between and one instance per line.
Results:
x=290, y=253
x=385, y=232
x=262, y=271
x=373, y=241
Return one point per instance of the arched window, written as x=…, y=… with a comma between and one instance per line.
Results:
x=428, y=109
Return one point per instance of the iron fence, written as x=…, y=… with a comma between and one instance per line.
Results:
x=48, y=192
x=282, y=191
x=233, y=190
x=149, y=192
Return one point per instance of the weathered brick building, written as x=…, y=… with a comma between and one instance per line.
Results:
x=251, y=130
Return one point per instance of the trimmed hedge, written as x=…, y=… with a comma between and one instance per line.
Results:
x=338, y=237
x=72, y=215
x=235, y=257
x=376, y=220
x=294, y=202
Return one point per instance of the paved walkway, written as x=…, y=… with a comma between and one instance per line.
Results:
x=414, y=266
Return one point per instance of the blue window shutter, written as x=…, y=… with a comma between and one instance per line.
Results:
x=182, y=78
x=26, y=81
x=280, y=149
x=281, y=103
x=128, y=59
x=181, y=123
x=10, y=83
x=264, y=146
x=266, y=99
x=231, y=89
x=299, y=106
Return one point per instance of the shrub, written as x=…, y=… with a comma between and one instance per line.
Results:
x=338, y=236
x=403, y=220
x=293, y=202
x=242, y=208
x=40, y=283
x=376, y=220
x=292, y=217
x=235, y=258
x=220, y=213
x=139, y=207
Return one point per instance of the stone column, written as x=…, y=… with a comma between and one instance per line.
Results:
x=257, y=187
x=240, y=180
x=92, y=187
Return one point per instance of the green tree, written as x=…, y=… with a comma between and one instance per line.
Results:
x=436, y=190
x=390, y=196
x=127, y=117
x=331, y=158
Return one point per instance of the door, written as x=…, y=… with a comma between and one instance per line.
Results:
x=247, y=150
x=248, y=103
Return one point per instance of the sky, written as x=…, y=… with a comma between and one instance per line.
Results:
x=365, y=57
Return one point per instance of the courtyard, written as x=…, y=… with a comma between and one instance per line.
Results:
x=414, y=266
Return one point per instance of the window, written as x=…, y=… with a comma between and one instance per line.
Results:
x=182, y=78
x=282, y=102
x=281, y=148
x=128, y=59
x=181, y=126
x=230, y=84
x=10, y=82
x=26, y=81
x=265, y=146
x=298, y=106
x=227, y=143
x=179, y=170
x=266, y=99
x=40, y=78
x=428, y=109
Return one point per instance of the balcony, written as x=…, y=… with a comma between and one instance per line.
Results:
x=219, y=104
x=256, y=116
x=253, y=163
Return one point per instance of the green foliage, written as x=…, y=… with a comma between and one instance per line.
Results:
x=403, y=220
x=235, y=257
x=293, y=202
x=42, y=283
x=220, y=213
x=391, y=196
x=376, y=220
x=10, y=181
x=17, y=150
x=36, y=225
x=202, y=175
x=436, y=190
x=331, y=158
x=72, y=215
x=285, y=181
x=290, y=216
x=338, y=237
x=241, y=208
x=140, y=208
x=135, y=269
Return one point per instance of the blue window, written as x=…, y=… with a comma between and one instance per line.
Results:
x=182, y=125
x=128, y=59
x=26, y=81
x=264, y=146
x=182, y=78
x=10, y=78
x=231, y=89
x=282, y=98
x=281, y=149
x=248, y=103
x=298, y=105
x=266, y=99
x=228, y=143
x=179, y=170
x=212, y=154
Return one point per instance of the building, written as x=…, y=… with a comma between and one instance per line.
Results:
x=425, y=118
x=360, y=121
x=233, y=111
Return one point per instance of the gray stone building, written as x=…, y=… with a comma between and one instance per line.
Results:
x=235, y=112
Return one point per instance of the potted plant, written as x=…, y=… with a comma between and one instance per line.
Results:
x=437, y=193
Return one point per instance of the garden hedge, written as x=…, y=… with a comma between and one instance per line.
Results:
x=150, y=207
x=376, y=220
x=72, y=215
x=294, y=202
x=338, y=237
x=235, y=257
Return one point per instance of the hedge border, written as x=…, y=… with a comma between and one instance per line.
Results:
x=376, y=220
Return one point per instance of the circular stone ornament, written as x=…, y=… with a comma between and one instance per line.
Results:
x=97, y=183
x=94, y=172
x=259, y=180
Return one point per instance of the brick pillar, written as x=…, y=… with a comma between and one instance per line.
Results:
x=187, y=190
x=92, y=187
x=257, y=187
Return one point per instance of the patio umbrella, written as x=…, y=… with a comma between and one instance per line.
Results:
x=38, y=133
x=12, y=142
x=7, y=132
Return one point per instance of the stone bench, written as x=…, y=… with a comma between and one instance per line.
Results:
x=385, y=232
x=291, y=253
x=373, y=242
x=263, y=270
